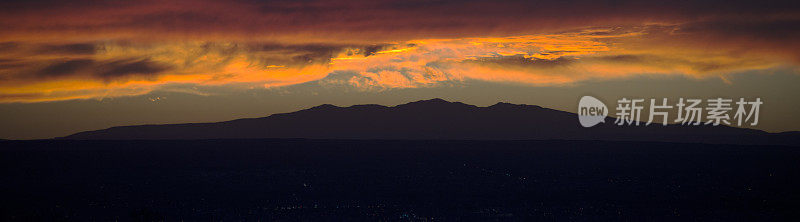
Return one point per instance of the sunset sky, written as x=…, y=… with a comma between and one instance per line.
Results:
x=69, y=66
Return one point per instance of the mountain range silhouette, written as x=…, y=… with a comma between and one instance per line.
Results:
x=437, y=119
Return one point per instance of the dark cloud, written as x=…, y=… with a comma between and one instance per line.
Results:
x=144, y=68
x=755, y=29
x=372, y=49
x=653, y=60
x=77, y=48
x=624, y=58
x=521, y=61
x=369, y=19
x=298, y=54
x=310, y=48
x=17, y=96
x=304, y=54
x=10, y=63
x=65, y=68
x=102, y=70
x=8, y=46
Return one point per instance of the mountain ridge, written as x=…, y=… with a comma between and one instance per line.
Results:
x=435, y=119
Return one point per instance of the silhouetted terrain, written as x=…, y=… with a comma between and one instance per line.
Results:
x=370, y=180
x=428, y=160
x=437, y=119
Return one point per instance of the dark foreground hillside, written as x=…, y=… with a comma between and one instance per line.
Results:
x=346, y=180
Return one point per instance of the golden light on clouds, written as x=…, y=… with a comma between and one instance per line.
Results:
x=259, y=57
x=34, y=72
x=59, y=50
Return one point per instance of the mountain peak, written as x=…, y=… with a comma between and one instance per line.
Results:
x=503, y=104
x=435, y=102
x=432, y=101
x=324, y=107
x=511, y=105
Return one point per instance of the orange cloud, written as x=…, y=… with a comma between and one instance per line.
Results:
x=35, y=72
x=553, y=59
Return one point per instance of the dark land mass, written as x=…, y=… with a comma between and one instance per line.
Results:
x=395, y=180
x=437, y=119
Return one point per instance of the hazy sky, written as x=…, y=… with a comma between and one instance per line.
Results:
x=69, y=66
